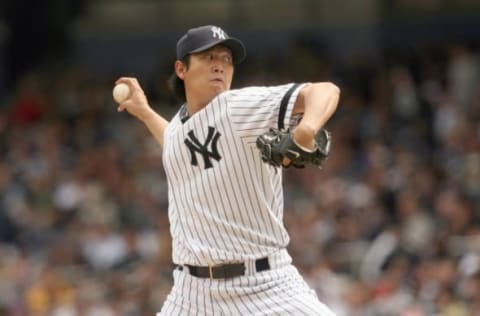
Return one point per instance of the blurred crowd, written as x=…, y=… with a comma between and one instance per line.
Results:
x=390, y=225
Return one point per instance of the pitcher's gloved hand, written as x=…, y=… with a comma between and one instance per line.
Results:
x=275, y=145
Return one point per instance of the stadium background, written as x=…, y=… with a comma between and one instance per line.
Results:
x=391, y=226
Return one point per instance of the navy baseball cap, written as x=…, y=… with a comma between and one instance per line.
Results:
x=201, y=38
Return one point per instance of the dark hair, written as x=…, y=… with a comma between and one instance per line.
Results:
x=176, y=85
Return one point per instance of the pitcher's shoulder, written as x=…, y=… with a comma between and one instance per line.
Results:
x=247, y=93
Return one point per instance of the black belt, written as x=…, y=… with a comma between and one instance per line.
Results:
x=225, y=271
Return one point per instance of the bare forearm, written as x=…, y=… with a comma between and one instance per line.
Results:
x=137, y=105
x=156, y=124
x=318, y=102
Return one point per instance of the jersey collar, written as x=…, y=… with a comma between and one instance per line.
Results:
x=183, y=113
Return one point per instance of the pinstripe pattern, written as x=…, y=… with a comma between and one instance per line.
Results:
x=276, y=292
x=232, y=211
x=226, y=205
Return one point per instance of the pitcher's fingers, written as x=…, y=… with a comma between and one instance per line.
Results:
x=121, y=107
x=127, y=80
x=286, y=162
x=132, y=83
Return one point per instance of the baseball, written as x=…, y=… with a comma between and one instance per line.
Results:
x=121, y=92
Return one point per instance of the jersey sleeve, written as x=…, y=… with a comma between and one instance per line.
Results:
x=254, y=110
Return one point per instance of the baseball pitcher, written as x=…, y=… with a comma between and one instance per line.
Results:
x=223, y=153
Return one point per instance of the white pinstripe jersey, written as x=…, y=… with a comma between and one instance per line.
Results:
x=225, y=204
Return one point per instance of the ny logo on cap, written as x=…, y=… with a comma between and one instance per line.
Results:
x=218, y=32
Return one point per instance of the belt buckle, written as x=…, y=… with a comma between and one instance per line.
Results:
x=210, y=272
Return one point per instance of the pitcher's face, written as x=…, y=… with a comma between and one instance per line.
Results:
x=209, y=73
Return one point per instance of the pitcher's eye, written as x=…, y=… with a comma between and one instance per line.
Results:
x=227, y=59
x=207, y=56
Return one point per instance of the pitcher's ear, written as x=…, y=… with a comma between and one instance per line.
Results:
x=180, y=69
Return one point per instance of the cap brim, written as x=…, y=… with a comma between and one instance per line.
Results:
x=235, y=45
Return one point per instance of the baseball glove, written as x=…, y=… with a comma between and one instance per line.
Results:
x=275, y=145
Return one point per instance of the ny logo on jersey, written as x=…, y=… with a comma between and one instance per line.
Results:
x=218, y=32
x=195, y=147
